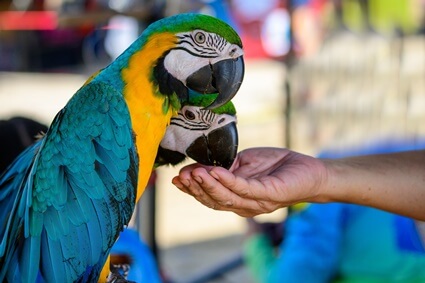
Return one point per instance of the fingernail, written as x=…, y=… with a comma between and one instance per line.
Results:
x=177, y=184
x=185, y=182
x=198, y=179
x=214, y=175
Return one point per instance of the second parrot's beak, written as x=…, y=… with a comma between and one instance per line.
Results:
x=224, y=77
x=218, y=148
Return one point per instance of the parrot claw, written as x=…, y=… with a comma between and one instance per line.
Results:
x=118, y=274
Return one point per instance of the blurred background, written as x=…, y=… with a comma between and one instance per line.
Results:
x=320, y=75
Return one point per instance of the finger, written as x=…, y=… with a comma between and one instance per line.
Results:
x=185, y=181
x=207, y=190
x=244, y=187
x=193, y=187
x=182, y=181
x=177, y=182
x=185, y=174
x=225, y=198
x=211, y=193
x=220, y=200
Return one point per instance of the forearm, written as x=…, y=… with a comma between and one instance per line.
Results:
x=393, y=182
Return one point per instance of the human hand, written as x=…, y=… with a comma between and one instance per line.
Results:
x=261, y=180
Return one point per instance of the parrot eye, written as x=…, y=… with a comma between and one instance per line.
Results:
x=189, y=115
x=200, y=37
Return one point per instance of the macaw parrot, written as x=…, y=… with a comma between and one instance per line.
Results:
x=65, y=199
x=208, y=136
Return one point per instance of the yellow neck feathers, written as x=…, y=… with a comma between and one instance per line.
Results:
x=146, y=107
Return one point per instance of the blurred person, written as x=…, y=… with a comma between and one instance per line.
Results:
x=264, y=27
x=307, y=26
x=121, y=32
x=275, y=33
x=337, y=243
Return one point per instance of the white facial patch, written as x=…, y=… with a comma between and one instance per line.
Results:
x=197, y=49
x=181, y=64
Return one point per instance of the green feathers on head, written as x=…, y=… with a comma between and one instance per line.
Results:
x=189, y=22
x=203, y=100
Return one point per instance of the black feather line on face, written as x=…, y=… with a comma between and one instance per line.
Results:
x=166, y=156
x=201, y=53
x=167, y=83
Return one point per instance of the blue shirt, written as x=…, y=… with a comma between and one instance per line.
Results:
x=340, y=243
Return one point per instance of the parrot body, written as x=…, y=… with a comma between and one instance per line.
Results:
x=65, y=199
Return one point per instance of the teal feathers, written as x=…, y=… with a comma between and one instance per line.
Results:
x=78, y=195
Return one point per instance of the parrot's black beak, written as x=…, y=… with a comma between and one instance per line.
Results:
x=224, y=77
x=218, y=148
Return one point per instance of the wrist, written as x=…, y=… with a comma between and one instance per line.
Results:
x=328, y=188
x=347, y=180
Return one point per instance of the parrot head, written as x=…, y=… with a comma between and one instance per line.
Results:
x=191, y=52
x=207, y=58
x=207, y=136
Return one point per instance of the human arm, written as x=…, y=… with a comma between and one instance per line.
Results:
x=264, y=179
x=394, y=182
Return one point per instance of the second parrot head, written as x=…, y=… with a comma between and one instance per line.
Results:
x=209, y=136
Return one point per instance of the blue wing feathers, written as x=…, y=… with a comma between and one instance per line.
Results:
x=106, y=158
x=64, y=221
x=31, y=259
x=75, y=208
x=34, y=224
x=95, y=235
x=13, y=274
x=67, y=198
x=52, y=267
x=61, y=183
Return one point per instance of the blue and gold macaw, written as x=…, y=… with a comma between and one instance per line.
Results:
x=64, y=200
